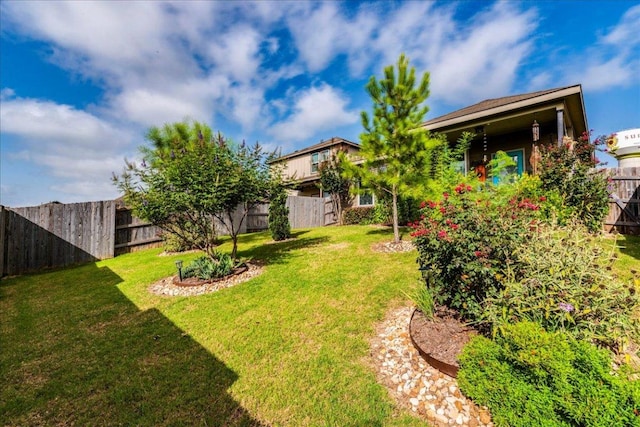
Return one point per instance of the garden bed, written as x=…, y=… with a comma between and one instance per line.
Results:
x=440, y=340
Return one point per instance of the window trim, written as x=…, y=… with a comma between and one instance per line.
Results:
x=320, y=157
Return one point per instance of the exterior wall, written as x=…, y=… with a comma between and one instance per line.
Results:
x=300, y=168
x=510, y=142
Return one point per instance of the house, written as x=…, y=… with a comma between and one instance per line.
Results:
x=303, y=166
x=515, y=124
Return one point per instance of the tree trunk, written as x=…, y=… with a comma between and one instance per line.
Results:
x=396, y=232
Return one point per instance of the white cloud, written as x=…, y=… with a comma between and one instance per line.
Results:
x=318, y=109
x=613, y=60
x=483, y=61
x=467, y=60
x=66, y=143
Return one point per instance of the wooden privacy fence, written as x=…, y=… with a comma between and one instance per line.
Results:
x=55, y=235
x=133, y=234
x=624, y=201
x=58, y=235
x=304, y=212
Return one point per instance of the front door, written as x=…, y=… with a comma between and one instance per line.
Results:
x=517, y=170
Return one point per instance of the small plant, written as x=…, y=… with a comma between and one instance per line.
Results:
x=423, y=299
x=185, y=240
x=531, y=377
x=207, y=268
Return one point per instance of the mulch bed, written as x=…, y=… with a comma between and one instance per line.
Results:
x=441, y=338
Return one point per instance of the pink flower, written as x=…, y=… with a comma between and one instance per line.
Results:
x=442, y=234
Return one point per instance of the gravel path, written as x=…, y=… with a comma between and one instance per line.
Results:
x=414, y=383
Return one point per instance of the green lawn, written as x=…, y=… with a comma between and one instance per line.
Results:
x=91, y=346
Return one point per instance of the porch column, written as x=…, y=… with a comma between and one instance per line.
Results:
x=560, y=123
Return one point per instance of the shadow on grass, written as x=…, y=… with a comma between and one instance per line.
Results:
x=76, y=351
x=630, y=246
x=281, y=252
x=388, y=231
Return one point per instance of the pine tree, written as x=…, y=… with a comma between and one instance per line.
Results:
x=396, y=148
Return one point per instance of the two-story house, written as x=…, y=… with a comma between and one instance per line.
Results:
x=303, y=166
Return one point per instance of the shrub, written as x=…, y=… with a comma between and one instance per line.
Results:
x=566, y=285
x=185, y=240
x=530, y=377
x=207, y=268
x=568, y=171
x=279, y=225
x=465, y=242
x=358, y=215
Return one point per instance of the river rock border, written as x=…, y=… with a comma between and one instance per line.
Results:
x=415, y=384
x=166, y=286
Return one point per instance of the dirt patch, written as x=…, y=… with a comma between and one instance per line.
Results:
x=392, y=247
x=442, y=337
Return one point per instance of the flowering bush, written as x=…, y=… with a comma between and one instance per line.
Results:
x=569, y=171
x=568, y=286
x=465, y=243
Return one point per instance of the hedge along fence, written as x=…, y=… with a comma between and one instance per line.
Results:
x=58, y=235
x=624, y=201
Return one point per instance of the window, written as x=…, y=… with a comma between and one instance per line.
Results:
x=317, y=159
x=365, y=199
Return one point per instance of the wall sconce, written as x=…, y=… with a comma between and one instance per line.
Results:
x=535, y=129
x=179, y=267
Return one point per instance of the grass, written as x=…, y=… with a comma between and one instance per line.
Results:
x=91, y=346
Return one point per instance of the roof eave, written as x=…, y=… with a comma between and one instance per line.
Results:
x=542, y=99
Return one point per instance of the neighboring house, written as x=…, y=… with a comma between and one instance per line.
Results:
x=508, y=124
x=303, y=166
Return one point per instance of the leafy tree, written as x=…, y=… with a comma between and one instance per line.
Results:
x=188, y=177
x=395, y=147
x=334, y=182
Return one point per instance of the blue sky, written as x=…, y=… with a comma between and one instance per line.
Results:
x=81, y=82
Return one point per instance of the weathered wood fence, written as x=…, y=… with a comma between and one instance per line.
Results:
x=133, y=234
x=58, y=235
x=55, y=235
x=624, y=202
